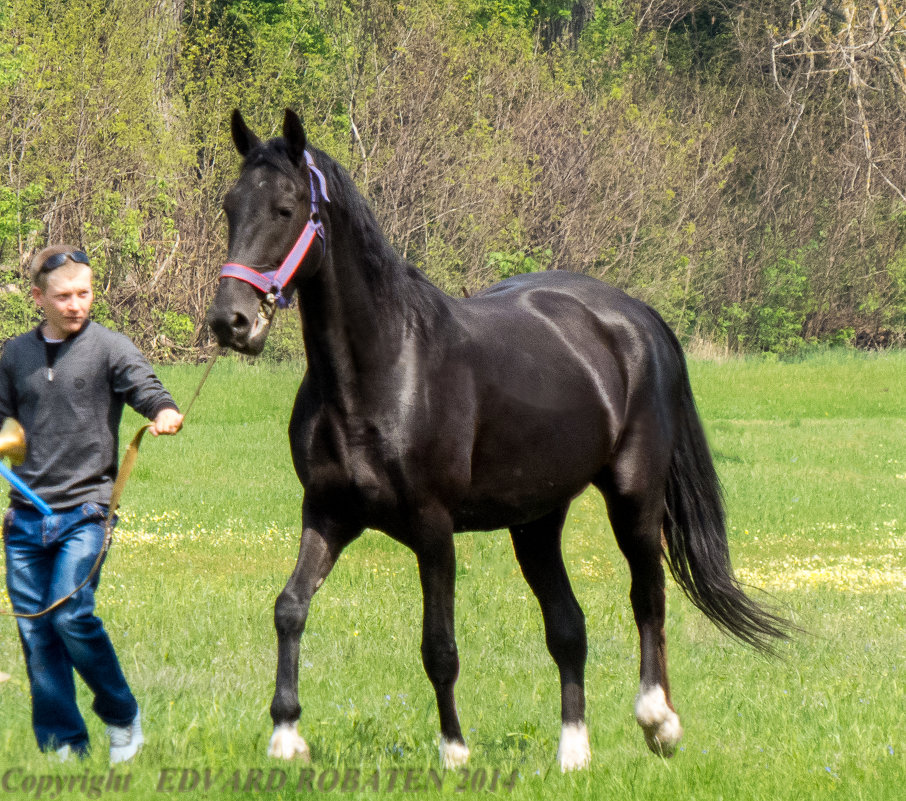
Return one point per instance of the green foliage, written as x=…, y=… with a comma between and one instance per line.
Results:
x=18, y=313
x=774, y=320
x=505, y=265
x=896, y=269
x=13, y=58
x=103, y=314
x=511, y=13
x=175, y=327
x=781, y=317
x=702, y=42
x=284, y=342
x=612, y=49
x=16, y=221
x=643, y=143
x=116, y=230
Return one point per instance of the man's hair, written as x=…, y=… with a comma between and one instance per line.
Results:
x=38, y=278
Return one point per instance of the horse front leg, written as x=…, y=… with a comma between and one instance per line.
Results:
x=437, y=570
x=323, y=539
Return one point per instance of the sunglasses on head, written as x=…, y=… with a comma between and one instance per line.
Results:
x=59, y=259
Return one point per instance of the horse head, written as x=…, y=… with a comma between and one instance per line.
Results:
x=273, y=219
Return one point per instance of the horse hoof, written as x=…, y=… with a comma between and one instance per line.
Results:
x=453, y=754
x=659, y=722
x=574, y=752
x=286, y=743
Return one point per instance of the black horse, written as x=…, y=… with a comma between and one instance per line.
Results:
x=422, y=415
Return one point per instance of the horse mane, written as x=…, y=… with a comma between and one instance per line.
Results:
x=392, y=279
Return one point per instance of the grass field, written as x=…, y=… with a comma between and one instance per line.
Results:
x=813, y=460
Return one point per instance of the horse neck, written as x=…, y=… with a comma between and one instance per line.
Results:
x=358, y=310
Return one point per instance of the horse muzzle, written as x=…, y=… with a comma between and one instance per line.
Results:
x=241, y=327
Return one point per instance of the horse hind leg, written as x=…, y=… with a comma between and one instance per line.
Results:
x=537, y=547
x=636, y=518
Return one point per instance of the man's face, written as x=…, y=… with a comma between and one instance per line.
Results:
x=67, y=299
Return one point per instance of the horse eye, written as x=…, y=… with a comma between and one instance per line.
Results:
x=284, y=212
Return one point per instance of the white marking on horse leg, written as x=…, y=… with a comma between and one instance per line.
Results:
x=453, y=754
x=574, y=752
x=287, y=743
x=659, y=722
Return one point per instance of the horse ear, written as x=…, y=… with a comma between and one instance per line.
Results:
x=294, y=134
x=243, y=136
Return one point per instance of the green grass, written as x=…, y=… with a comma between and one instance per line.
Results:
x=813, y=463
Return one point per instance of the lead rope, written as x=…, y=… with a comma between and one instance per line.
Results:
x=122, y=476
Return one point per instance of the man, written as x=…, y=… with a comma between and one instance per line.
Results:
x=66, y=382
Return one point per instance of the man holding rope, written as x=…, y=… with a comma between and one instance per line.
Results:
x=66, y=382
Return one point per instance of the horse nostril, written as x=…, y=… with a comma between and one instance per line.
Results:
x=240, y=325
x=230, y=328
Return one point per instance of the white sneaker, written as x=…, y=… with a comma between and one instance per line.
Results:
x=63, y=753
x=125, y=740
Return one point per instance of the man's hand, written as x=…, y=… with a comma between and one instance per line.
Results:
x=168, y=421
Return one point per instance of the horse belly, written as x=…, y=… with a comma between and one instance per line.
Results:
x=531, y=464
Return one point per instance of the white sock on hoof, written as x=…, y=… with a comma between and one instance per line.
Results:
x=453, y=754
x=574, y=752
x=659, y=722
x=287, y=743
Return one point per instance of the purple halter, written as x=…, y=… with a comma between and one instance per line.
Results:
x=274, y=282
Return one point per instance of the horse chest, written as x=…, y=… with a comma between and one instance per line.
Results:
x=356, y=456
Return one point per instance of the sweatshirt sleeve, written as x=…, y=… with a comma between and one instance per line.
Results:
x=7, y=387
x=136, y=382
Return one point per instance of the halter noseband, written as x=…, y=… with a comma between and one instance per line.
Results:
x=274, y=282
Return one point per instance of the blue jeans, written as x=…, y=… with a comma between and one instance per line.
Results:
x=46, y=558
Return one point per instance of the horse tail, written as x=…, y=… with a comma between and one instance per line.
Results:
x=697, y=551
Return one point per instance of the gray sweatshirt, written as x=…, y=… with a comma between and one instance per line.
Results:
x=71, y=410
